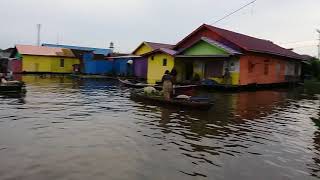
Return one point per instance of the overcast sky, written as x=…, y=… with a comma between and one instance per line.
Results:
x=290, y=23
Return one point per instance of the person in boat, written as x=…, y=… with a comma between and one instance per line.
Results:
x=227, y=76
x=9, y=76
x=174, y=74
x=167, y=85
x=2, y=78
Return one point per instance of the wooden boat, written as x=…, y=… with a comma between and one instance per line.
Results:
x=137, y=84
x=82, y=76
x=12, y=86
x=195, y=103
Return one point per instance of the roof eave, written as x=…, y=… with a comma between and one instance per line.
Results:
x=208, y=56
x=156, y=51
x=276, y=54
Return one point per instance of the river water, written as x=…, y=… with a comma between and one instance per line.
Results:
x=90, y=129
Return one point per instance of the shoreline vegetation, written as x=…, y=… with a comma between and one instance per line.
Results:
x=311, y=70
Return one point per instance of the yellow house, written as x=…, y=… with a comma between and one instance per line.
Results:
x=141, y=63
x=159, y=61
x=146, y=47
x=40, y=59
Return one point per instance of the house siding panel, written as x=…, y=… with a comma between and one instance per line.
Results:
x=140, y=67
x=121, y=67
x=204, y=32
x=155, y=67
x=47, y=64
x=143, y=50
x=93, y=66
x=276, y=67
x=204, y=48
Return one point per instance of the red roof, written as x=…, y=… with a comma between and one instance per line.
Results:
x=43, y=51
x=249, y=43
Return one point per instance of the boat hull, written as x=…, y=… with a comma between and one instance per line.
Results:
x=158, y=100
x=16, y=87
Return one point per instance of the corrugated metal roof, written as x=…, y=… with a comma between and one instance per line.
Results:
x=163, y=50
x=155, y=46
x=43, y=51
x=254, y=44
x=168, y=51
x=125, y=56
x=247, y=43
x=95, y=50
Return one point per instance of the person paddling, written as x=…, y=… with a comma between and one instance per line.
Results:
x=167, y=85
x=2, y=78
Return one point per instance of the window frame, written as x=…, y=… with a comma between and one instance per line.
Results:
x=164, y=62
x=266, y=69
x=250, y=67
x=62, y=63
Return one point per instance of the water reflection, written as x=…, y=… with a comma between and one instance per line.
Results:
x=18, y=98
x=240, y=124
x=89, y=128
x=315, y=166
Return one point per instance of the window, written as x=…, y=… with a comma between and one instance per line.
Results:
x=296, y=69
x=250, y=67
x=232, y=66
x=214, y=69
x=164, y=62
x=278, y=69
x=61, y=62
x=266, y=69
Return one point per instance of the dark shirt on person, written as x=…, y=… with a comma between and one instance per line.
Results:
x=166, y=77
x=174, y=72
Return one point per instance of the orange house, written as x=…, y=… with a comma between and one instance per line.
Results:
x=258, y=61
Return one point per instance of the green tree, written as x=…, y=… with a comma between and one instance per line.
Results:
x=314, y=68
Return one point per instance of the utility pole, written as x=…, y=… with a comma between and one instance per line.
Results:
x=38, y=34
x=318, y=44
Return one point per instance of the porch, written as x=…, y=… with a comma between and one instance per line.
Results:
x=221, y=69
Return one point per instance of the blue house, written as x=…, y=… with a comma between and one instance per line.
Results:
x=92, y=60
x=95, y=64
x=123, y=65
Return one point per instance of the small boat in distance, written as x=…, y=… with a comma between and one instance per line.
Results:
x=12, y=86
x=195, y=103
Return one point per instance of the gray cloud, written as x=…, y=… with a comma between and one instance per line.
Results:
x=128, y=22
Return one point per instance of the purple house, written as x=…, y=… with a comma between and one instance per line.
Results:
x=140, y=67
x=141, y=62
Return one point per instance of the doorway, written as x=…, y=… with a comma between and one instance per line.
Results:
x=36, y=67
x=189, y=71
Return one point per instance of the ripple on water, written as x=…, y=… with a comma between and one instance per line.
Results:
x=80, y=129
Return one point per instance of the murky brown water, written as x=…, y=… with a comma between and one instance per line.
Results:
x=90, y=129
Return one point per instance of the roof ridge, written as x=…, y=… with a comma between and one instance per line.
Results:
x=158, y=43
x=210, y=26
x=44, y=44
